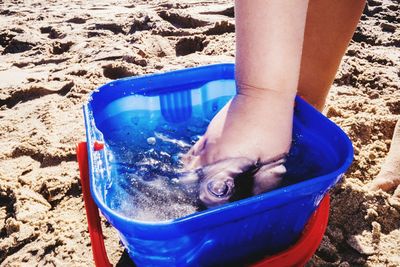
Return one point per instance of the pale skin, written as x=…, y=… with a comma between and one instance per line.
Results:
x=389, y=177
x=283, y=47
x=263, y=54
x=328, y=37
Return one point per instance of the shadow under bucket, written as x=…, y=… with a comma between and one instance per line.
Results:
x=121, y=111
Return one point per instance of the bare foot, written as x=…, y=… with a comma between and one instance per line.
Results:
x=252, y=134
x=386, y=180
x=389, y=177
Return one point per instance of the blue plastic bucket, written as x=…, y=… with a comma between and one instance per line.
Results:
x=232, y=233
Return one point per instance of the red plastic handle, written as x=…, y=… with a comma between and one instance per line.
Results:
x=297, y=255
x=301, y=252
x=92, y=212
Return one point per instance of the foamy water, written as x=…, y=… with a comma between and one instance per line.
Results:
x=147, y=166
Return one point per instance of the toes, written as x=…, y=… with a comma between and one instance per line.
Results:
x=386, y=181
x=396, y=193
x=395, y=199
x=192, y=158
x=198, y=147
x=191, y=162
x=269, y=175
x=378, y=183
x=267, y=178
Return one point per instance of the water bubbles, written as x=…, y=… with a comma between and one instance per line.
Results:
x=180, y=143
x=146, y=166
x=194, y=139
x=196, y=129
x=151, y=140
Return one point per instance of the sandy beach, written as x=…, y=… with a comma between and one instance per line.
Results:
x=54, y=53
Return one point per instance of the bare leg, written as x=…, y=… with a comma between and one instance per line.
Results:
x=268, y=48
x=329, y=28
x=389, y=176
x=257, y=123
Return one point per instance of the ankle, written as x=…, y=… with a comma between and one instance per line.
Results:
x=263, y=92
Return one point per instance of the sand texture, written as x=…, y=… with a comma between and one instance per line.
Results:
x=53, y=53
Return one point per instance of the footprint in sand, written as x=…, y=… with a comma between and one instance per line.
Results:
x=182, y=20
x=19, y=44
x=78, y=20
x=189, y=45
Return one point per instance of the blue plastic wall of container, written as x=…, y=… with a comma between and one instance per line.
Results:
x=233, y=233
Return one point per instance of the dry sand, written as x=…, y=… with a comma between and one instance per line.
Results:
x=53, y=53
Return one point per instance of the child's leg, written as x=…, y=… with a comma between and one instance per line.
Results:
x=329, y=28
x=257, y=123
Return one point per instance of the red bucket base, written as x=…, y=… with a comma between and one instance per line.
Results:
x=297, y=255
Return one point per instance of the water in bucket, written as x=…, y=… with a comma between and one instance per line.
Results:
x=146, y=141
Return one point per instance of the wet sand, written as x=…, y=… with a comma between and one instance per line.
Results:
x=53, y=53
